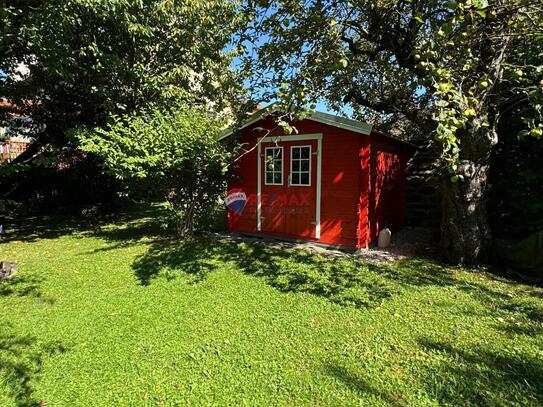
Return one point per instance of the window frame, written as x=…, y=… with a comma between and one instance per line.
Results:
x=300, y=172
x=273, y=172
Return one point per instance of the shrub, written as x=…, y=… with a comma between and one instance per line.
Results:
x=172, y=153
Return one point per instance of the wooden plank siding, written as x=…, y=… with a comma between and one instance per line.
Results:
x=362, y=181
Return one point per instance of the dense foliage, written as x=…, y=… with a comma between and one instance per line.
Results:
x=72, y=62
x=450, y=67
x=516, y=204
x=75, y=63
x=173, y=154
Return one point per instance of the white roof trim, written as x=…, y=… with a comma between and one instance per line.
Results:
x=325, y=118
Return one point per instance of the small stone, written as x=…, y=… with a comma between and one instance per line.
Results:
x=7, y=270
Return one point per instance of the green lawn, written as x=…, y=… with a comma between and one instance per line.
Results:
x=116, y=314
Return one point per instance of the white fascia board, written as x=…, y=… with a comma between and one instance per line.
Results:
x=325, y=118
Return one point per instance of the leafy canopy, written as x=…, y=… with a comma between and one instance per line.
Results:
x=77, y=61
x=450, y=67
x=174, y=153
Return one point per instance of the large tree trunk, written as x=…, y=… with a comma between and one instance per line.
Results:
x=465, y=231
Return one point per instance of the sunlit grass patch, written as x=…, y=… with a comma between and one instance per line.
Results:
x=118, y=313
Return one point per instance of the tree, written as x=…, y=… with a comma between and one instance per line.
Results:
x=173, y=152
x=450, y=67
x=69, y=63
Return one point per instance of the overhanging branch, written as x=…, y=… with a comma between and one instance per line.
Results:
x=417, y=116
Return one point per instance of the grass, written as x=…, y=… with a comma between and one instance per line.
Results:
x=114, y=313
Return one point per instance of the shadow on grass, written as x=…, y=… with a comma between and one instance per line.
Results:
x=358, y=385
x=131, y=232
x=342, y=281
x=33, y=228
x=20, y=285
x=21, y=360
x=475, y=376
x=456, y=376
x=188, y=257
x=528, y=317
x=515, y=309
x=482, y=376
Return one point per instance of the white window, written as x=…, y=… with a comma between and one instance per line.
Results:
x=300, y=165
x=274, y=165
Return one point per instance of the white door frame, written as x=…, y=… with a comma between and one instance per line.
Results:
x=297, y=137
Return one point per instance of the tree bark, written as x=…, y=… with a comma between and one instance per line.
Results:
x=465, y=232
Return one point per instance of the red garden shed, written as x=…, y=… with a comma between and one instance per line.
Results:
x=336, y=182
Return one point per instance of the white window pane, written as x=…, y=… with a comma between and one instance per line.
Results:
x=274, y=165
x=305, y=165
x=305, y=152
x=304, y=178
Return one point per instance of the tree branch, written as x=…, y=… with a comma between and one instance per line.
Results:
x=413, y=114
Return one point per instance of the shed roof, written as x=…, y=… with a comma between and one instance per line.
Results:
x=321, y=117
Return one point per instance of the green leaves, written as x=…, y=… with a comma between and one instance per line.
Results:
x=156, y=144
x=92, y=58
x=536, y=132
x=172, y=152
x=438, y=63
x=469, y=112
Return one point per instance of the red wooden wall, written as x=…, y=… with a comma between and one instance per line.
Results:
x=362, y=184
x=388, y=160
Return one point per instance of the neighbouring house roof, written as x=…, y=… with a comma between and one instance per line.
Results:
x=321, y=117
x=14, y=139
x=12, y=107
x=14, y=119
x=5, y=103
